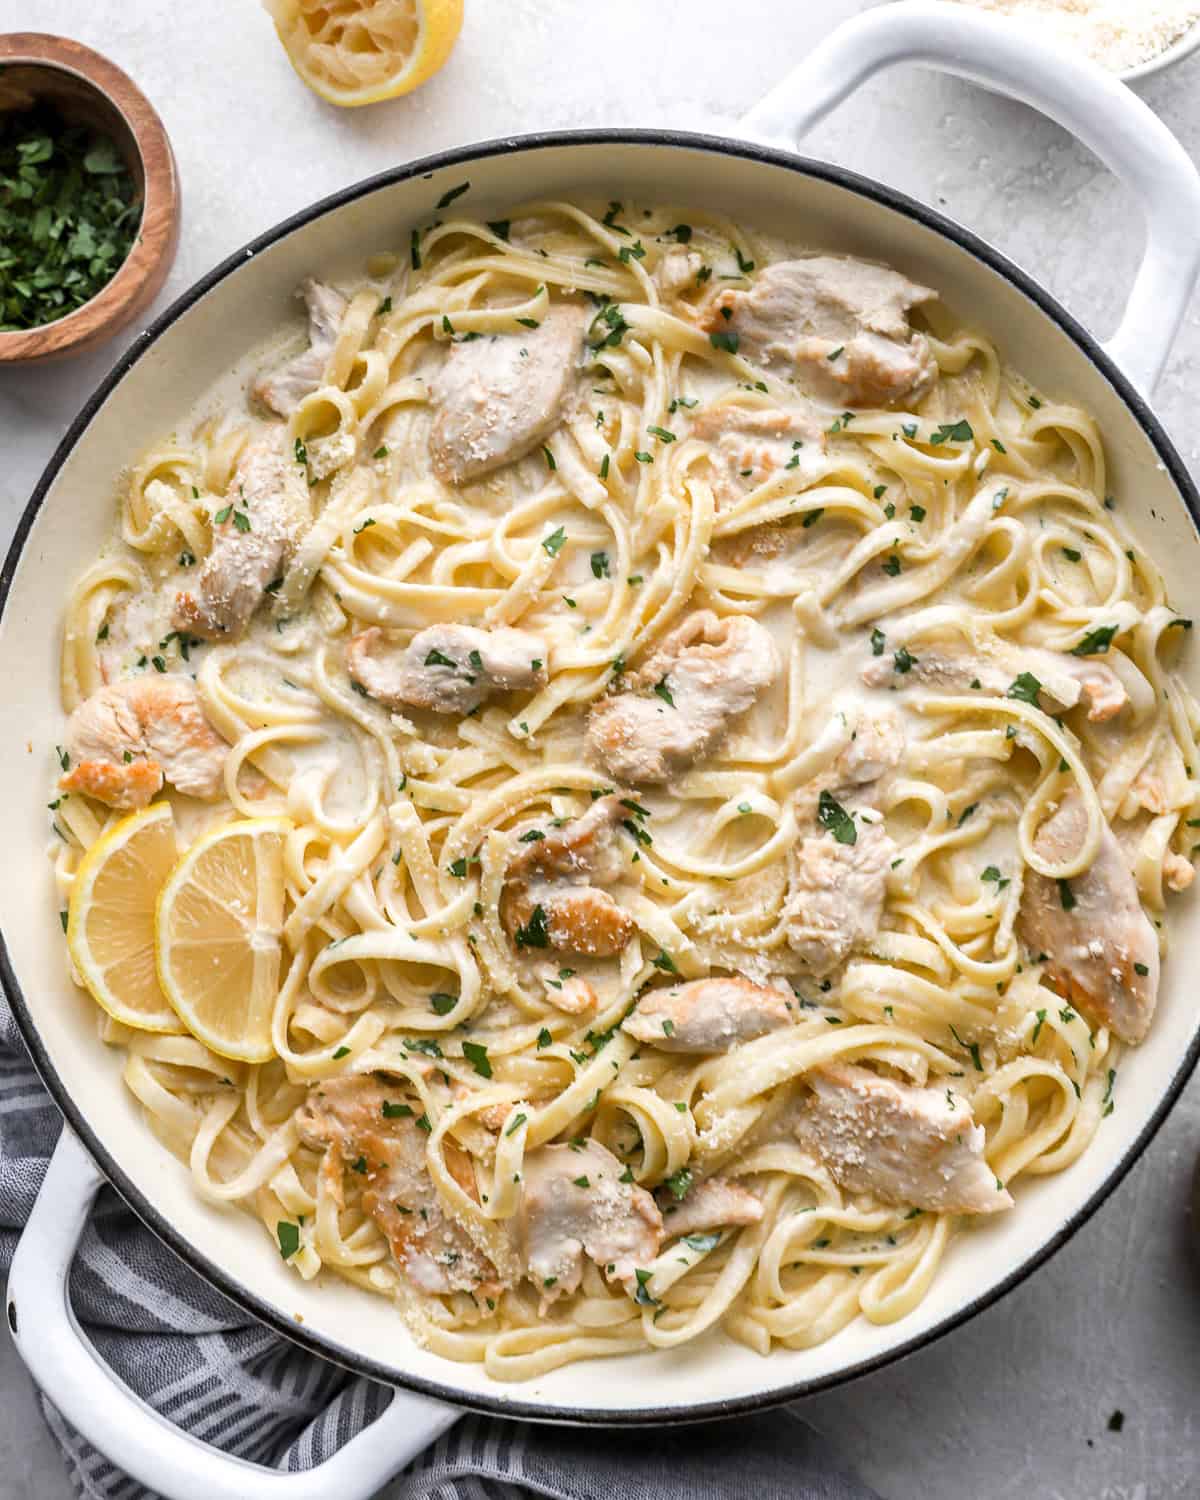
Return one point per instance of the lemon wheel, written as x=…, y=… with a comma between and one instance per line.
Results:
x=219, y=929
x=354, y=52
x=111, y=918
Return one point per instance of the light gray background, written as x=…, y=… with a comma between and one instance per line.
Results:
x=1017, y=1403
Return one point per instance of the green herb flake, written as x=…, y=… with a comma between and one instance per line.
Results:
x=288, y=1235
x=1096, y=642
x=535, y=933
x=953, y=432
x=680, y=1183
x=878, y=642
x=725, y=339
x=554, y=543
x=477, y=1055
x=833, y=817
x=1025, y=688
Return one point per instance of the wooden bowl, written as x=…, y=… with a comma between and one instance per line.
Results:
x=86, y=87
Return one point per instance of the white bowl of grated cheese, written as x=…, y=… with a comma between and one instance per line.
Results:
x=1131, y=38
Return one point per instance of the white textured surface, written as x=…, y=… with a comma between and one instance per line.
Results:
x=1016, y=1404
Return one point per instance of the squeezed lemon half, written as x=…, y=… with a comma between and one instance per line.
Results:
x=354, y=52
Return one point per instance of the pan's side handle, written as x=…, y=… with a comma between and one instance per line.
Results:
x=1094, y=106
x=127, y=1430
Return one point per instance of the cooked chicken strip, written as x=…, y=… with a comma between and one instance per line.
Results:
x=552, y=896
x=574, y=1203
x=841, y=324
x=707, y=1015
x=837, y=884
x=284, y=388
x=450, y=669
x=1062, y=680
x=345, y=1117
x=752, y=444
x=267, y=512
x=715, y=1203
x=128, y=738
x=681, y=704
x=1100, y=946
x=904, y=1145
x=499, y=397
x=836, y=893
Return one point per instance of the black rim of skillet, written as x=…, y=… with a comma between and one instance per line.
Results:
x=227, y=1283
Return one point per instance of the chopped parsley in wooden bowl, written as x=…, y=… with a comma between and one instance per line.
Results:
x=69, y=214
x=89, y=198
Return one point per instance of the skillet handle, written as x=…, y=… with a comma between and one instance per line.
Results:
x=1099, y=110
x=125, y=1428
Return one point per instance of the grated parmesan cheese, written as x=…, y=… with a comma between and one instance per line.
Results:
x=1117, y=34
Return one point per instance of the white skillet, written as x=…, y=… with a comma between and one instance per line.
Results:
x=243, y=303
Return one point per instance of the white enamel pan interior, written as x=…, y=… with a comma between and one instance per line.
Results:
x=243, y=303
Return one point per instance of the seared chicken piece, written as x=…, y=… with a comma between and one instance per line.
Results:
x=917, y=1147
x=450, y=669
x=1062, y=680
x=345, y=1118
x=841, y=324
x=267, y=512
x=752, y=444
x=1101, y=949
x=552, y=896
x=837, y=880
x=130, y=737
x=681, y=704
x=573, y=1204
x=707, y=1015
x=715, y=1203
x=499, y=397
x=284, y=389
x=678, y=271
x=835, y=896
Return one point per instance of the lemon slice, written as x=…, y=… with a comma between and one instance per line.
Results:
x=355, y=52
x=110, y=920
x=219, y=926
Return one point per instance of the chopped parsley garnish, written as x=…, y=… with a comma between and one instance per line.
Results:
x=289, y=1238
x=680, y=1182
x=370, y=521
x=555, y=542
x=725, y=339
x=661, y=432
x=892, y=566
x=953, y=432
x=535, y=933
x=1071, y=554
x=903, y=661
x=664, y=692
x=442, y=1003
x=665, y=962
x=396, y=1111
x=340, y=1053
x=425, y=1045
x=917, y=512
x=1066, y=895
x=703, y=1242
x=69, y=215
x=878, y=641
x=499, y=228
x=600, y=565
x=439, y=659
x=1025, y=688
x=813, y=517
x=517, y=1121
x=477, y=1055
x=544, y=1037
x=531, y=837
x=551, y=465
x=833, y=817
x=1096, y=642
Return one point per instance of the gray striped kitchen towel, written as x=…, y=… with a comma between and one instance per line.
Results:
x=206, y=1365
